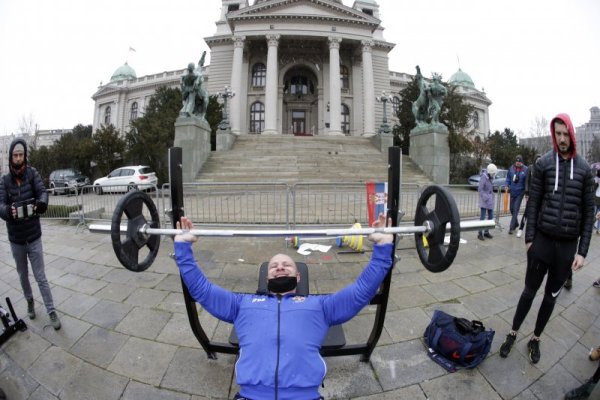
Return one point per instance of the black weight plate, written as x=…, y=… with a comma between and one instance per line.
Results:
x=128, y=250
x=437, y=257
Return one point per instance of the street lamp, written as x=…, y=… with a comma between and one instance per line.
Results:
x=227, y=93
x=385, y=128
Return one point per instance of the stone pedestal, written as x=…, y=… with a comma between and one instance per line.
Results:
x=192, y=134
x=382, y=142
x=430, y=150
x=225, y=139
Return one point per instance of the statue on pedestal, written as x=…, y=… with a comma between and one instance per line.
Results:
x=194, y=96
x=427, y=107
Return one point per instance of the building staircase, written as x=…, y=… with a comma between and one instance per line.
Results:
x=292, y=159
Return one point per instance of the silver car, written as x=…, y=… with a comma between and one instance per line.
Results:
x=498, y=181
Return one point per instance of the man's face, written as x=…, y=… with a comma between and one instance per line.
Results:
x=282, y=265
x=518, y=163
x=563, y=139
x=18, y=157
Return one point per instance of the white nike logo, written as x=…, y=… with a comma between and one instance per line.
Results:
x=556, y=294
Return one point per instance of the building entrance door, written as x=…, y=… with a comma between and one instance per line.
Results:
x=299, y=123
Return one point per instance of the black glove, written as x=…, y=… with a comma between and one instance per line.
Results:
x=40, y=207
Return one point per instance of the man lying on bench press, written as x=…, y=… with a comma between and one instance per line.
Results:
x=280, y=334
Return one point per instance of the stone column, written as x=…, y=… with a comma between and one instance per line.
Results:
x=335, y=95
x=236, y=83
x=368, y=89
x=271, y=87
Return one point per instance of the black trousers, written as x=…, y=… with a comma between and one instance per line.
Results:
x=545, y=256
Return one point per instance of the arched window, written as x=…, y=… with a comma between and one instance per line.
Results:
x=257, y=117
x=345, y=119
x=134, y=111
x=475, y=120
x=259, y=75
x=299, y=84
x=395, y=106
x=107, y=115
x=344, y=77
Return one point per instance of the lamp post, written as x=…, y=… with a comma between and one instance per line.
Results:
x=384, y=128
x=227, y=93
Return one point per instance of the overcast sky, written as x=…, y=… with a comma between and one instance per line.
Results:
x=533, y=58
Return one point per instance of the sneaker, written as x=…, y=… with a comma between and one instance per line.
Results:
x=480, y=236
x=569, y=283
x=510, y=231
x=594, y=354
x=596, y=283
x=533, y=348
x=54, y=321
x=507, y=345
x=519, y=233
x=488, y=235
x=597, y=231
x=31, y=309
x=582, y=392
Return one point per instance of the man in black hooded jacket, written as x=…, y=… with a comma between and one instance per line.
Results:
x=560, y=217
x=23, y=198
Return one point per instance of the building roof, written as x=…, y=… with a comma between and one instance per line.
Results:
x=124, y=72
x=461, y=78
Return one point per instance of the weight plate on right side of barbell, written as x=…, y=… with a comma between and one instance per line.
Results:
x=436, y=256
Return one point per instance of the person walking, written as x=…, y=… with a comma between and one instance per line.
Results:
x=516, y=179
x=486, y=198
x=23, y=198
x=560, y=219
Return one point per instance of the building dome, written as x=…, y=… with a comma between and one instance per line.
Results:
x=461, y=78
x=124, y=72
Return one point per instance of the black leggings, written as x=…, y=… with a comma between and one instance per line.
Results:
x=545, y=256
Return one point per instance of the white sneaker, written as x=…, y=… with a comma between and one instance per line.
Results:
x=519, y=233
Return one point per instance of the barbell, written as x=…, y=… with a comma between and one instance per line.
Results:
x=141, y=233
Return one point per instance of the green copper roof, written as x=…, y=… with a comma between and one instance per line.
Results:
x=461, y=78
x=124, y=72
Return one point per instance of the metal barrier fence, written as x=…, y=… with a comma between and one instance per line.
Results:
x=268, y=204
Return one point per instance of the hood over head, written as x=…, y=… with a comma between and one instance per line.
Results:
x=567, y=121
x=17, y=172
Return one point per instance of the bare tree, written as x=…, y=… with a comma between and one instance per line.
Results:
x=28, y=128
x=539, y=132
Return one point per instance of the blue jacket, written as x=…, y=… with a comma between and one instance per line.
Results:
x=516, y=185
x=280, y=337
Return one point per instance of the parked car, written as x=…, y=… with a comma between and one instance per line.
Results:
x=498, y=181
x=125, y=179
x=67, y=181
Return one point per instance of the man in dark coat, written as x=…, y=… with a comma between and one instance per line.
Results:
x=560, y=216
x=23, y=198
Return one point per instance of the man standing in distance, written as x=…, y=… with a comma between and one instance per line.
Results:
x=560, y=217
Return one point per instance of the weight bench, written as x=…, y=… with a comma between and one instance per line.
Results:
x=335, y=338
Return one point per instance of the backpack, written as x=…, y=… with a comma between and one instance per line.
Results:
x=456, y=343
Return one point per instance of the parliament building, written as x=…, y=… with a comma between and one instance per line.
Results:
x=297, y=67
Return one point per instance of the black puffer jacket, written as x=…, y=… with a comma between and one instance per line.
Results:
x=31, y=187
x=568, y=212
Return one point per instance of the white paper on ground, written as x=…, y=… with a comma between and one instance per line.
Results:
x=306, y=248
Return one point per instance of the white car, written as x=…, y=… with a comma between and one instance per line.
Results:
x=125, y=179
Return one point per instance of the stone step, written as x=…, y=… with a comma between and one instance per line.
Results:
x=290, y=159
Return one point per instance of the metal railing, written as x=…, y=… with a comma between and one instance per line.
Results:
x=271, y=205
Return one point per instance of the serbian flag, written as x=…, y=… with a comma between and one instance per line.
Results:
x=376, y=200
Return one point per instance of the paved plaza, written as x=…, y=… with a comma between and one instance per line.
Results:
x=126, y=335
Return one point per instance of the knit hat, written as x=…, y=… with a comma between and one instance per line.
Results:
x=519, y=158
x=18, y=148
x=492, y=169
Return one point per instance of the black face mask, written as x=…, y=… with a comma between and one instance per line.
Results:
x=282, y=284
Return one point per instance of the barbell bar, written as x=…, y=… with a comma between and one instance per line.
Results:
x=436, y=255
x=146, y=229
